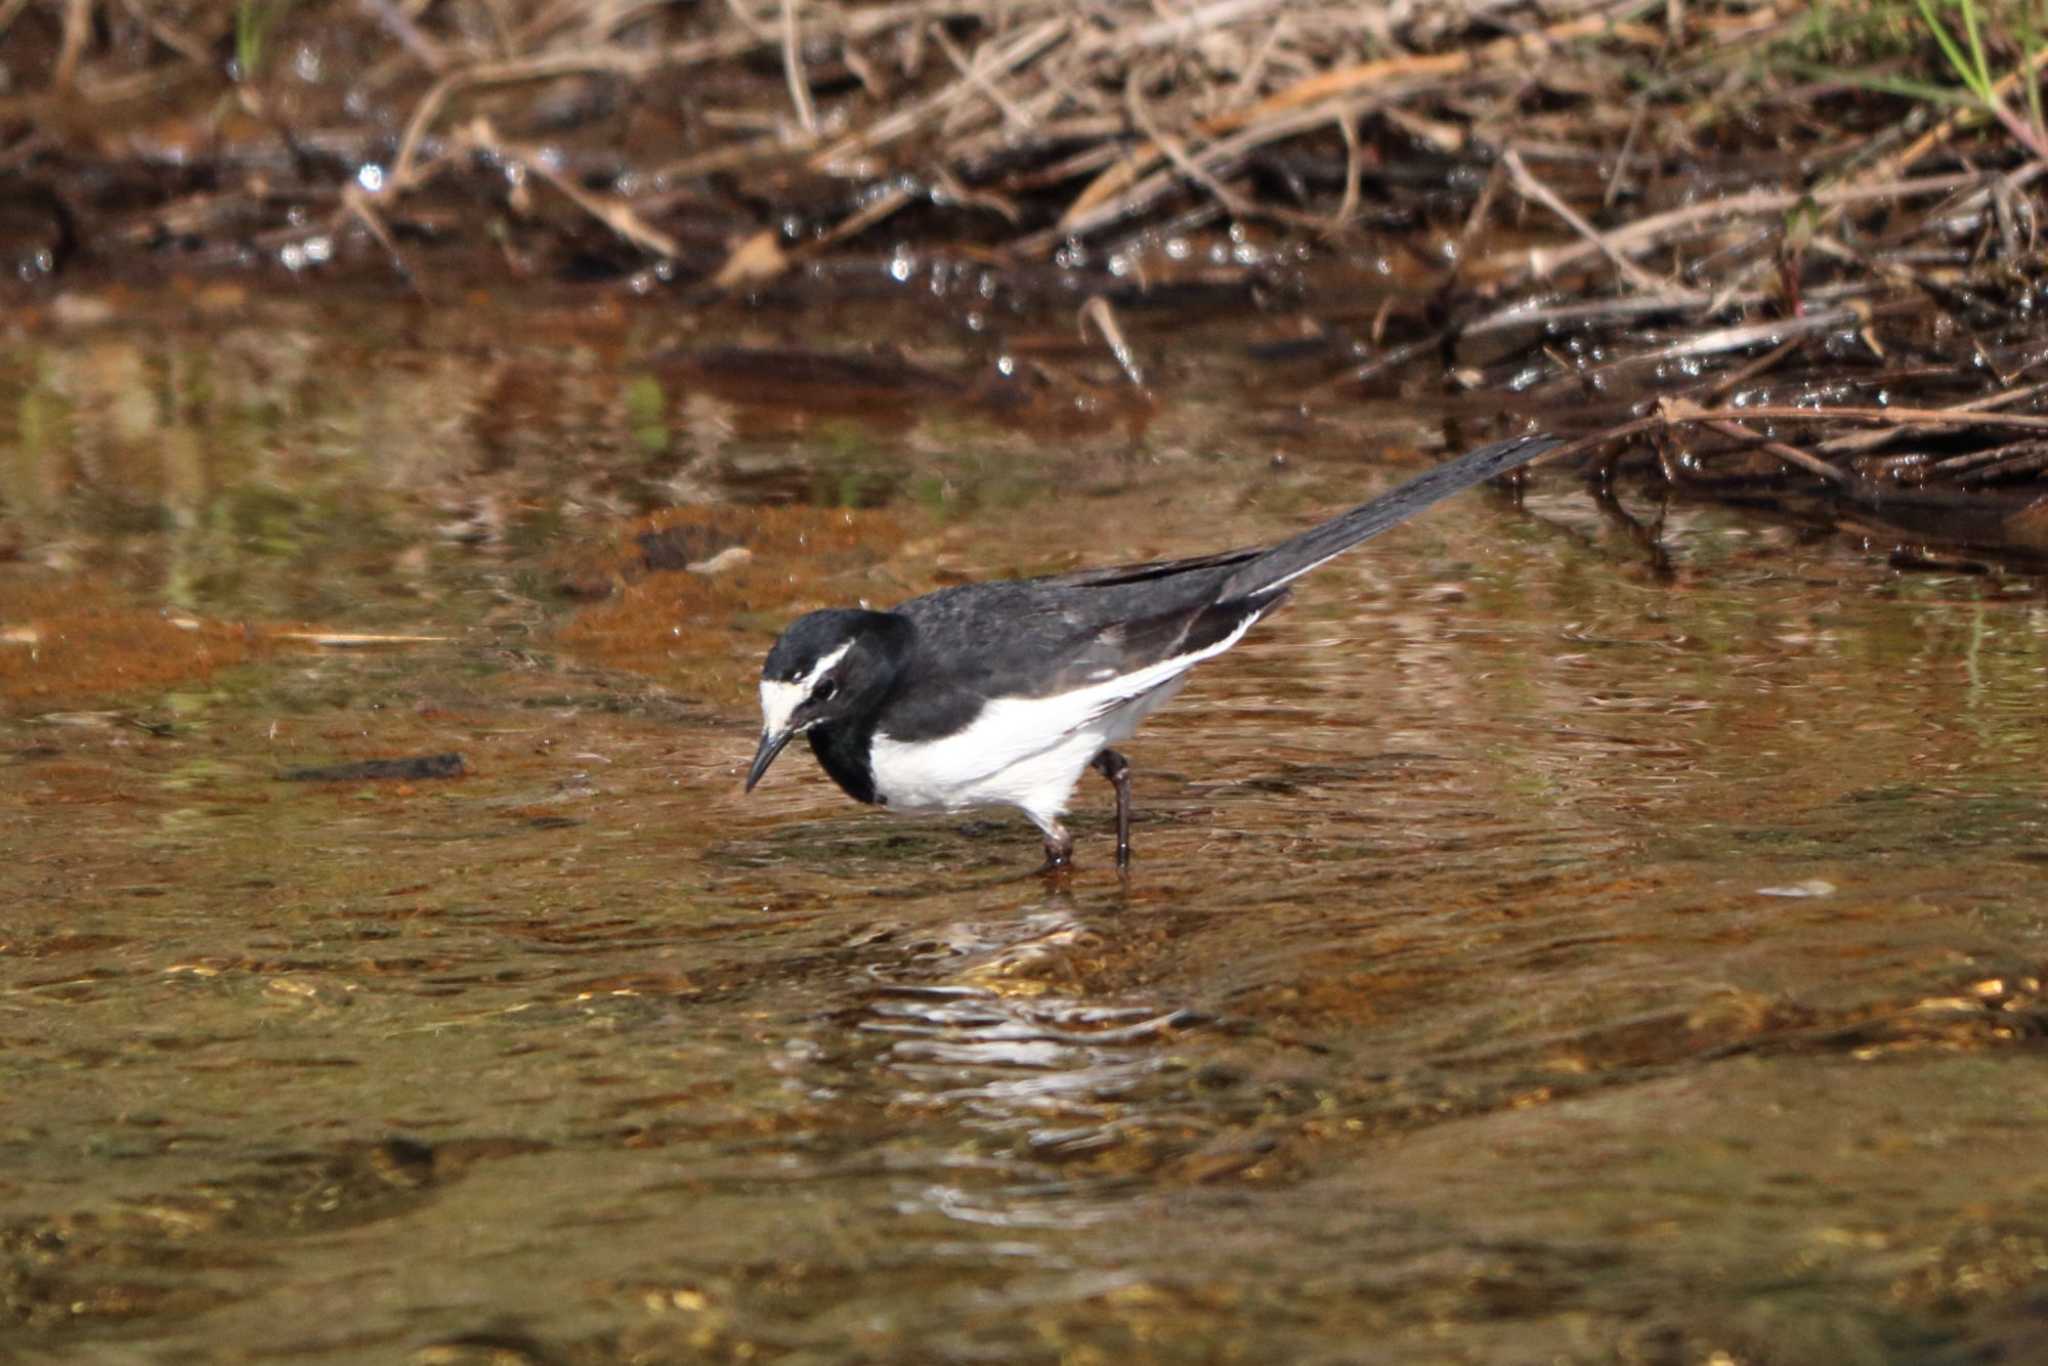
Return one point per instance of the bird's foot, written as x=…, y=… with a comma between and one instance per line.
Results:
x=1059, y=853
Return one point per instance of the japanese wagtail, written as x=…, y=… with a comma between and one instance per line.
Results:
x=1001, y=694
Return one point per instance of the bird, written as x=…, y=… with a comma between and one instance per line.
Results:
x=1004, y=693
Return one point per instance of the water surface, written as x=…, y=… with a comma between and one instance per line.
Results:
x=1537, y=949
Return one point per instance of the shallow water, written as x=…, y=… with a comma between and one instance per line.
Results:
x=1537, y=948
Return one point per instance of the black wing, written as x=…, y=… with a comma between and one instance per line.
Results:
x=1040, y=637
x=1109, y=576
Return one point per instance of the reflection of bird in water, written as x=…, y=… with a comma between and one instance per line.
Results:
x=981, y=1023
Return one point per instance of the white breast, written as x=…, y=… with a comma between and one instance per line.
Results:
x=1028, y=752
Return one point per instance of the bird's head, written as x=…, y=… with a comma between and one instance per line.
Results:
x=825, y=667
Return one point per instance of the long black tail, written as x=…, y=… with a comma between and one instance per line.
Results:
x=1294, y=557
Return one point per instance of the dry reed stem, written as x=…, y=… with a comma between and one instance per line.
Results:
x=1097, y=310
x=613, y=213
x=545, y=66
x=1862, y=441
x=1791, y=455
x=71, y=46
x=355, y=204
x=1979, y=464
x=866, y=217
x=163, y=30
x=1354, y=169
x=1084, y=212
x=793, y=71
x=1645, y=233
x=400, y=25
x=1013, y=113
x=1946, y=128
x=1680, y=411
x=1635, y=306
x=1530, y=187
x=1159, y=183
x=1762, y=365
x=1006, y=58
x=1174, y=151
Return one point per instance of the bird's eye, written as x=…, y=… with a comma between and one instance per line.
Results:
x=824, y=691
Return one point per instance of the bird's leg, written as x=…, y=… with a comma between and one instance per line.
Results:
x=1117, y=769
x=1059, y=848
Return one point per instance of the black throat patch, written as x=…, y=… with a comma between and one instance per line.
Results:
x=842, y=750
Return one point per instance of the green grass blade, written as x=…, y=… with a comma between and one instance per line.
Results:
x=1957, y=61
x=1891, y=85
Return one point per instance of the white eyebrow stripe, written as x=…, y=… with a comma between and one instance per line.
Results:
x=823, y=666
x=779, y=700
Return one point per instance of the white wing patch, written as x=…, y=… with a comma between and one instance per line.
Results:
x=779, y=700
x=1028, y=752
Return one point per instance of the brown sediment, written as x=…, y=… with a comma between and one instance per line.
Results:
x=692, y=594
x=60, y=644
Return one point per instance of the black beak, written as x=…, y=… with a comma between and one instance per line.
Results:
x=771, y=745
